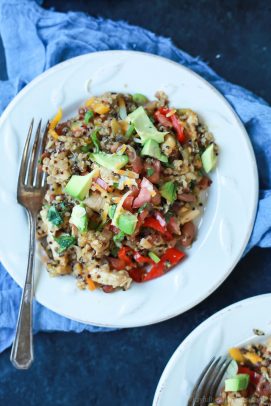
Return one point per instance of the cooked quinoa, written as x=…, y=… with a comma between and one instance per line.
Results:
x=126, y=179
x=253, y=362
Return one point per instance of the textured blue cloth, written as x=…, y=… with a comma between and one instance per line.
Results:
x=35, y=39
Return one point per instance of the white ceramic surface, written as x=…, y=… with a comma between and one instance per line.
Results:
x=230, y=327
x=228, y=218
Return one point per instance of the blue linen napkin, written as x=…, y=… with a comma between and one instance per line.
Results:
x=35, y=39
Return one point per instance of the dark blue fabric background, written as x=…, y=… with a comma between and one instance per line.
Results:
x=123, y=368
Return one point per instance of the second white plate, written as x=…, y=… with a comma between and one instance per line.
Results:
x=230, y=327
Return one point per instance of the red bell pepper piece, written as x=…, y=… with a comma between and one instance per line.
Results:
x=170, y=258
x=178, y=128
x=122, y=254
x=142, y=260
x=254, y=376
x=155, y=224
x=174, y=121
x=158, y=225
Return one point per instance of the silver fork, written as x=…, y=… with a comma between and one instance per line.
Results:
x=30, y=193
x=206, y=387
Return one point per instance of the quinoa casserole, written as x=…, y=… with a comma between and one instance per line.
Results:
x=249, y=377
x=125, y=183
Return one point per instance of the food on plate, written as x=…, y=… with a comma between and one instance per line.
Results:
x=126, y=179
x=249, y=377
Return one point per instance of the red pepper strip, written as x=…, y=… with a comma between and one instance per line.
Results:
x=178, y=127
x=170, y=258
x=153, y=223
x=254, y=376
x=122, y=254
x=142, y=260
x=175, y=122
x=156, y=225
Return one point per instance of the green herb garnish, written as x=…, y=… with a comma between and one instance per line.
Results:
x=65, y=241
x=85, y=148
x=140, y=210
x=168, y=215
x=88, y=116
x=150, y=171
x=54, y=216
x=95, y=140
x=116, y=185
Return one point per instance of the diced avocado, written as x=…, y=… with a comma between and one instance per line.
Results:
x=151, y=148
x=127, y=222
x=79, y=218
x=139, y=98
x=144, y=127
x=169, y=191
x=78, y=186
x=209, y=158
x=237, y=383
x=110, y=161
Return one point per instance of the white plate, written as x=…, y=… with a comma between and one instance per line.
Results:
x=227, y=222
x=230, y=327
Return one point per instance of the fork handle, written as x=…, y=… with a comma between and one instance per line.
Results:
x=22, y=354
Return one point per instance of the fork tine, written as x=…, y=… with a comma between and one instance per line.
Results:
x=196, y=394
x=32, y=162
x=23, y=166
x=39, y=174
x=224, y=365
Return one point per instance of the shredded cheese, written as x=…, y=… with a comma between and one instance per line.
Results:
x=119, y=208
x=129, y=174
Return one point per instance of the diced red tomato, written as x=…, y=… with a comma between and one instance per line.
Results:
x=254, y=376
x=137, y=165
x=156, y=168
x=143, y=197
x=136, y=274
x=128, y=203
x=116, y=263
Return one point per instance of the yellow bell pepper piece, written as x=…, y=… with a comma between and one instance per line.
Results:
x=253, y=358
x=236, y=354
x=54, y=122
x=96, y=106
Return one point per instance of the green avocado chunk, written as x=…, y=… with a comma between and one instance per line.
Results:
x=79, y=218
x=237, y=383
x=144, y=127
x=110, y=161
x=78, y=186
x=151, y=148
x=169, y=191
x=208, y=158
x=127, y=223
